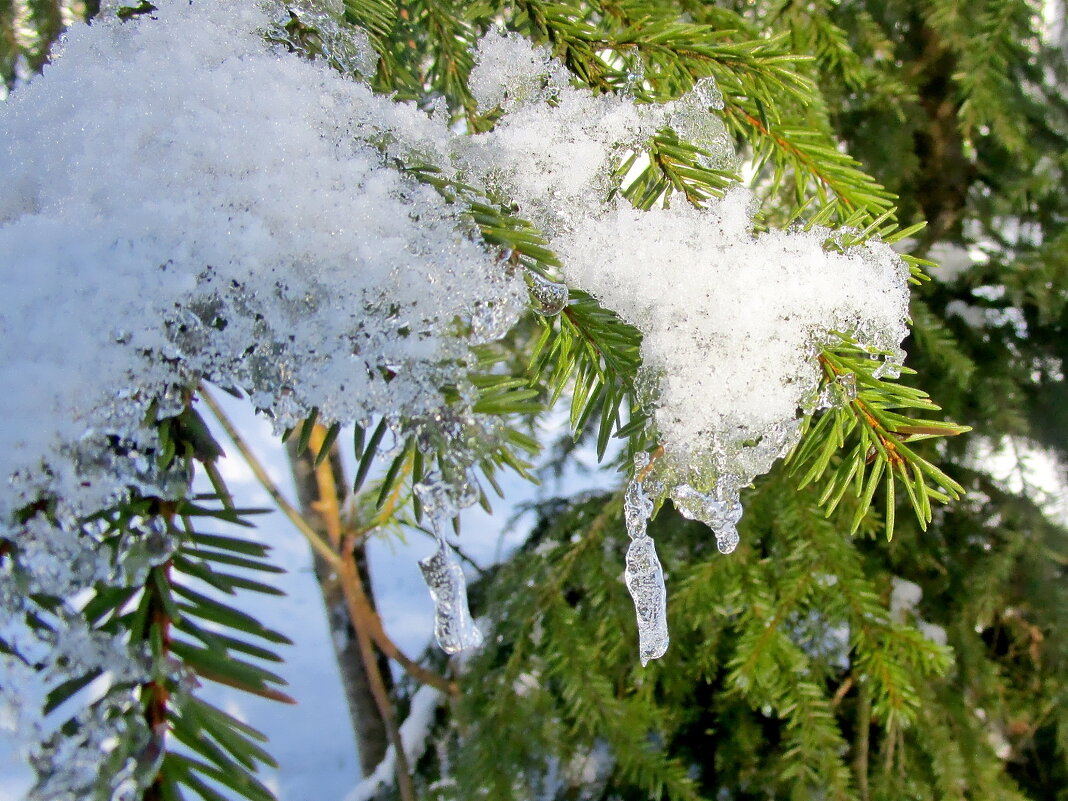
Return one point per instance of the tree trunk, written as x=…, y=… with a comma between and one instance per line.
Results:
x=367, y=724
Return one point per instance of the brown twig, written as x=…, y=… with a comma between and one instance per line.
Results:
x=840, y=693
x=330, y=511
x=361, y=611
x=258, y=470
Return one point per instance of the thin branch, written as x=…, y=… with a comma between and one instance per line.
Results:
x=840, y=693
x=295, y=517
x=365, y=620
x=363, y=615
x=361, y=611
x=349, y=574
x=330, y=511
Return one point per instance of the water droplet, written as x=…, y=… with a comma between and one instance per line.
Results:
x=727, y=539
x=547, y=298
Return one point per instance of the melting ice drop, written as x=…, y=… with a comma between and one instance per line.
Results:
x=453, y=627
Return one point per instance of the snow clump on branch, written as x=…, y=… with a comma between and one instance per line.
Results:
x=731, y=321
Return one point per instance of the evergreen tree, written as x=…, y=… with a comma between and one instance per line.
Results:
x=863, y=641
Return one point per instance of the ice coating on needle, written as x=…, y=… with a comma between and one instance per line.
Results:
x=548, y=298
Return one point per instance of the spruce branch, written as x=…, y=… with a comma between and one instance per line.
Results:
x=361, y=612
x=873, y=418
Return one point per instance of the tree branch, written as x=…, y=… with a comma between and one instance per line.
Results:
x=258, y=470
x=330, y=511
x=364, y=617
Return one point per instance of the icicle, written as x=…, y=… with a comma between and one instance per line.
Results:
x=453, y=627
x=644, y=576
x=548, y=298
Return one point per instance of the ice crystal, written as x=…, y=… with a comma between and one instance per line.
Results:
x=454, y=629
x=644, y=575
x=840, y=392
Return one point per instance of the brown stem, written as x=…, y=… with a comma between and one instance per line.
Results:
x=361, y=609
x=367, y=725
x=841, y=692
x=330, y=511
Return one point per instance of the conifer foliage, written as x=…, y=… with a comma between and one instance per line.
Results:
x=892, y=621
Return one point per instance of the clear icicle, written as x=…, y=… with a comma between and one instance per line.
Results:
x=644, y=576
x=453, y=627
x=645, y=580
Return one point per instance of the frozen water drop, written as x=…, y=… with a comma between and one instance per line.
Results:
x=454, y=629
x=888, y=369
x=645, y=582
x=727, y=539
x=838, y=393
x=467, y=489
x=718, y=510
x=548, y=298
x=847, y=384
x=435, y=496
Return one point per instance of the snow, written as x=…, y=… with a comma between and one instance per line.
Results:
x=286, y=257
x=905, y=597
x=414, y=733
x=732, y=321
x=218, y=213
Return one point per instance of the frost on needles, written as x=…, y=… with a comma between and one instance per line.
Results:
x=182, y=201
